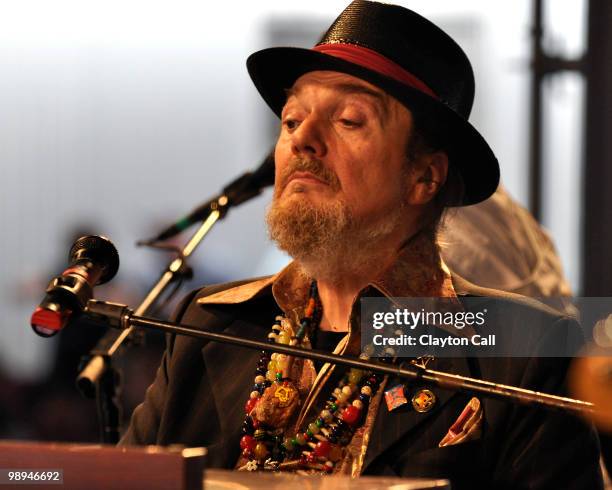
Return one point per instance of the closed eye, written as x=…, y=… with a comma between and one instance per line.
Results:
x=349, y=123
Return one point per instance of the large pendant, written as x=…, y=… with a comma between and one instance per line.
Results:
x=277, y=404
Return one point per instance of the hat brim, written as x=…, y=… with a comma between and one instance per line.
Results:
x=274, y=70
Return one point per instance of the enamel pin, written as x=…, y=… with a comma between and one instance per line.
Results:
x=395, y=398
x=423, y=401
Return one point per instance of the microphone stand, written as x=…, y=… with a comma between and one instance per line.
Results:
x=120, y=316
x=97, y=378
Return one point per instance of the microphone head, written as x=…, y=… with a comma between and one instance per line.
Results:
x=263, y=176
x=49, y=318
x=99, y=250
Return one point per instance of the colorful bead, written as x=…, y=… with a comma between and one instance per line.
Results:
x=326, y=415
x=259, y=379
x=260, y=451
x=358, y=404
x=254, y=394
x=314, y=428
x=322, y=449
x=288, y=443
x=248, y=443
x=351, y=415
x=250, y=405
x=347, y=390
x=368, y=350
x=301, y=439
x=366, y=390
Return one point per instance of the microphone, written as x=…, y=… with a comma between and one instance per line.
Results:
x=93, y=260
x=248, y=185
x=263, y=176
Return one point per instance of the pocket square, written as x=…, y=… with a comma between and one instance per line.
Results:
x=467, y=427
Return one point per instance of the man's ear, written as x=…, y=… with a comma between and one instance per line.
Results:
x=428, y=177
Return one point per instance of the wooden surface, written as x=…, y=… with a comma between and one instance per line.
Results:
x=245, y=480
x=108, y=467
x=103, y=467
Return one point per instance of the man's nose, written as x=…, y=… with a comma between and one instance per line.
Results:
x=308, y=139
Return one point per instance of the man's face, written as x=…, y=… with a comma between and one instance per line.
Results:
x=342, y=139
x=341, y=173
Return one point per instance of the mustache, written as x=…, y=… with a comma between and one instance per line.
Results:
x=313, y=166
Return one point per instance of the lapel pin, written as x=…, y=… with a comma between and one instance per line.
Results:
x=395, y=398
x=423, y=401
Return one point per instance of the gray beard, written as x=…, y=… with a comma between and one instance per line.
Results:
x=327, y=241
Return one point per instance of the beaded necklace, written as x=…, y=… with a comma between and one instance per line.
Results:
x=274, y=398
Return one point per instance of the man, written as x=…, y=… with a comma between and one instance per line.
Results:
x=374, y=144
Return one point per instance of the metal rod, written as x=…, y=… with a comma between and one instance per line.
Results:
x=168, y=276
x=535, y=123
x=437, y=378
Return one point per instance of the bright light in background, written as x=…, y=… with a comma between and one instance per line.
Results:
x=124, y=24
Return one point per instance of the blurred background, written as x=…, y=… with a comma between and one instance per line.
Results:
x=118, y=117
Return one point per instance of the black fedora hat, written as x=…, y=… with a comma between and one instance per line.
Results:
x=408, y=57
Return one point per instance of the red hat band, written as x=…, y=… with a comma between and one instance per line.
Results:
x=372, y=60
